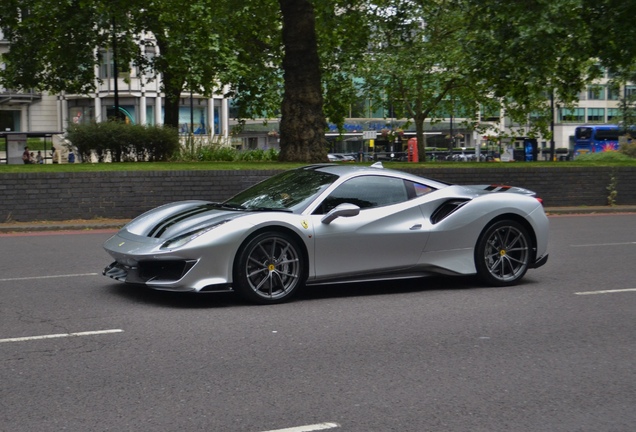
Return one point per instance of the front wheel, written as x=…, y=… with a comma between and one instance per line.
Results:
x=503, y=253
x=269, y=268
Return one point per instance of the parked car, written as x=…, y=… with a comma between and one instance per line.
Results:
x=331, y=223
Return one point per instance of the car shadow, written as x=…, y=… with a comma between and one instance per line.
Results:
x=144, y=295
x=185, y=300
x=399, y=286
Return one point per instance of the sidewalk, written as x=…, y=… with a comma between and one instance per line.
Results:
x=115, y=224
x=70, y=225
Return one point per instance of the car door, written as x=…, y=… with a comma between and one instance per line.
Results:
x=386, y=235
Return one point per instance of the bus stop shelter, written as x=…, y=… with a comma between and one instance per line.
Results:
x=14, y=143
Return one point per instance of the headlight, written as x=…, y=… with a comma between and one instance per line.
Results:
x=183, y=239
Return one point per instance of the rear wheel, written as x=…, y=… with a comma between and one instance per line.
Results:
x=269, y=268
x=503, y=252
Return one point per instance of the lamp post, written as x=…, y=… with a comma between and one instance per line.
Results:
x=552, y=125
x=116, y=70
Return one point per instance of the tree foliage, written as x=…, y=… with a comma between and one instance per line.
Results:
x=54, y=46
x=301, y=60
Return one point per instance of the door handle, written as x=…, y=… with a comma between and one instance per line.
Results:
x=415, y=227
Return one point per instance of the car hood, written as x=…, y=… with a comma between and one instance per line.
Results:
x=178, y=218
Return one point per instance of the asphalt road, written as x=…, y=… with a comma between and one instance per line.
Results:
x=80, y=352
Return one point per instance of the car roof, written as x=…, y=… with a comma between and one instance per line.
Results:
x=376, y=169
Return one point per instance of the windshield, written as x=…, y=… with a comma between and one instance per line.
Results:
x=290, y=190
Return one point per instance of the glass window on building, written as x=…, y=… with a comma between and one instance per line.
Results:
x=106, y=64
x=630, y=91
x=127, y=113
x=217, y=116
x=596, y=93
x=81, y=114
x=613, y=93
x=596, y=115
x=10, y=121
x=576, y=115
x=361, y=108
x=150, y=52
x=613, y=115
x=150, y=115
x=491, y=111
x=233, y=108
x=193, y=119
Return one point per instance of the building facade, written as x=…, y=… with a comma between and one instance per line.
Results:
x=140, y=102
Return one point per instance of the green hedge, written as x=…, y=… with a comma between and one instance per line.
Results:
x=124, y=142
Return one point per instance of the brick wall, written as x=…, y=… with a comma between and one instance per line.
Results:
x=124, y=195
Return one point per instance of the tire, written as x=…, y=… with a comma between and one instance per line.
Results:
x=269, y=268
x=503, y=253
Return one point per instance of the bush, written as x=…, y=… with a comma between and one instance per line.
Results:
x=202, y=149
x=629, y=149
x=607, y=156
x=124, y=142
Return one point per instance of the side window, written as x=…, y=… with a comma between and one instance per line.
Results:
x=366, y=192
x=417, y=189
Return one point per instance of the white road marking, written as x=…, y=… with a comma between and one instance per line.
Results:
x=308, y=428
x=605, y=291
x=62, y=335
x=604, y=244
x=47, y=277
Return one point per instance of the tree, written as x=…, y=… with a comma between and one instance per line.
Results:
x=612, y=31
x=295, y=60
x=432, y=58
x=303, y=123
x=417, y=65
x=54, y=46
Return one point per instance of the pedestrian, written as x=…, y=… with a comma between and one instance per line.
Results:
x=39, y=159
x=26, y=156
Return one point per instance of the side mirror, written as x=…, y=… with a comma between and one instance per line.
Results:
x=343, y=210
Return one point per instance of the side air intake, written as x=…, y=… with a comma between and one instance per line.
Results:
x=446, y=209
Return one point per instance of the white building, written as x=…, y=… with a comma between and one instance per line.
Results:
x=140, y=101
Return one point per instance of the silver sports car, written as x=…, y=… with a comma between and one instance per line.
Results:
x=333, y=223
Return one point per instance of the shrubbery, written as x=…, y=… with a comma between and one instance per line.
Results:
x=629, y=149
x=201, y=149
x=123, y=142
x=607, y=156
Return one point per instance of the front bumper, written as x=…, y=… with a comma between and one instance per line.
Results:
x=164, y=276
x=541, y=261
x=168, y=271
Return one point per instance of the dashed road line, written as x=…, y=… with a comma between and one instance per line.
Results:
x=47, y=277
x=61, y=335
x=604, y=244
x=308, y=428
x=605, y=291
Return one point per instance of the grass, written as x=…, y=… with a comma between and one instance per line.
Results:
x=235, y=166
x=146, y=166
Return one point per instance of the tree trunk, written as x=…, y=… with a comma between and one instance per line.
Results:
x=303, y=123
x=421, y=138
x=172, y=84
x=171, y=101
